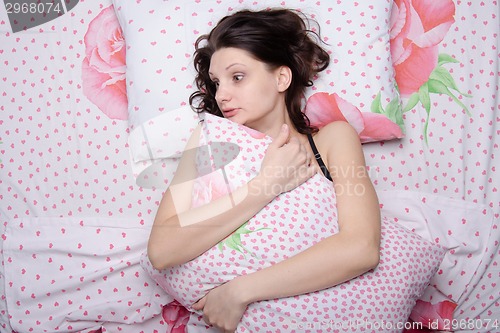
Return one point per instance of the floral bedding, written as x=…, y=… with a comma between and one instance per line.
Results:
x=65, y=157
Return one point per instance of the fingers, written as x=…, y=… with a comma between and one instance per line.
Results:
x=301, y=153
x=282, y=137
x=294, y=140
x=292, y=148
x=287, y=163
x=307, y=159
x=200, y=304
x=305, y=153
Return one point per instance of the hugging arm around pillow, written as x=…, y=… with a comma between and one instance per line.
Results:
x=178, y=223
x=287, y=225
x=355, y=247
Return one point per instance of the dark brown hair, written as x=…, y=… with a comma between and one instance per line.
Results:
x=277, y=37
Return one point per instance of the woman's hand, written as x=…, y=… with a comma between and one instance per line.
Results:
x=222, y=307
x=286, y=165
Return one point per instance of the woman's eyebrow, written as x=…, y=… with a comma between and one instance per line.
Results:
x=234, y=64
x=228, y=67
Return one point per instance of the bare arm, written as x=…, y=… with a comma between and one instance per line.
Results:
x=180, y=233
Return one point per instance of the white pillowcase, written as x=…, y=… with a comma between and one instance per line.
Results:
x=159, y=36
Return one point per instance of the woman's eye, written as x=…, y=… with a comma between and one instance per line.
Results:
x=238, y=77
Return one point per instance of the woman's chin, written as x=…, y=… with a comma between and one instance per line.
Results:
x=235, y=119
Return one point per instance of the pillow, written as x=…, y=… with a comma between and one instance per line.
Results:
x=358, y=86
x=289, y=224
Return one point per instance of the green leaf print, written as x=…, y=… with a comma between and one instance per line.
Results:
x=233, y=241
x=376, y=106
x=393, y=111
x=444, y=58
x=440, y=82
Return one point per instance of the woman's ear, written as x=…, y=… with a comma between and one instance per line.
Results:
x=284, y=78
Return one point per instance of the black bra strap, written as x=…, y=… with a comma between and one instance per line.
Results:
x=317, y=156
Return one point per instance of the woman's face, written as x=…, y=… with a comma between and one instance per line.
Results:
x=248, y=92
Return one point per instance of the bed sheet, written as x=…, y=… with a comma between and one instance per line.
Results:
x=62, y=158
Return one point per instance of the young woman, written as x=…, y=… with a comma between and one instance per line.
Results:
x=253, y=69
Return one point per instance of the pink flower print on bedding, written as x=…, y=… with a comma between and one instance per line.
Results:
x=323, y=108
x=417, y=28
x=103, y=68
x=176, y=316
x=436, y=316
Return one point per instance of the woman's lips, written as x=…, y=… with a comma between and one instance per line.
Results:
x=230, y=112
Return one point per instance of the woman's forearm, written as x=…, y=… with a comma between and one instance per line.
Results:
x=180, y=238
x=332, y=261
x=352, y=251
x=180, y=234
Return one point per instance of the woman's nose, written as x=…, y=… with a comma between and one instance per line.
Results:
x=222, y=94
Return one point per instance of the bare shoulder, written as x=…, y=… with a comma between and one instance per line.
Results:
x=338, y=126
x=337, y=137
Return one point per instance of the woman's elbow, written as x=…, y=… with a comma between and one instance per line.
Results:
x=370, y=246
x=156, y=261
x=157, y=258
x=373, y=259
x=370, y=256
